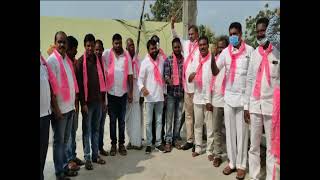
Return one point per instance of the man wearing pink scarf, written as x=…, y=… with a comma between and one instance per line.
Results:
x=263, y=72
x=190, y=49
x=119, y=84
x=92, y=99
x=201, y=111
x=173, y=71
x=235, y=59
x=214, y=99
x=62, y=69
x=151, y=85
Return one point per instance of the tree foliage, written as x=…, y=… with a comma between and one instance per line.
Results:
x=162, y=10
x=250, y=31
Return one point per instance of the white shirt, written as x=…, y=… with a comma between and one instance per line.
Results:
x=117, y=88
x=235, y=93
x=265, y=104
x=45, y=96
x=146, y=79
x=200, y=94
x=136, y=91
x=55, y=67
x=215, y=97
x=185, y=48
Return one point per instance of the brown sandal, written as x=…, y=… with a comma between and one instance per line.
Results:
x=241, y=174
x=216, y=162
x=194, y=154
x=210, y=157
x=227, y=170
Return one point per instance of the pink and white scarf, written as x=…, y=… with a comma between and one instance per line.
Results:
x=264, y=66
x=110, y=72
x=64, y=88
x=85, y=75
x=52, y=78
x=234, y=57
x=156, y=71
x=187, y=61
x=175, y=70
x=199, y=71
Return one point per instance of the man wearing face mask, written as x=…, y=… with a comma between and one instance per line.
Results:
x=92, y=99
x=263, y=72
x=235, y=59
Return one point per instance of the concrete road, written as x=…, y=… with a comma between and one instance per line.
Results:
x=177, y=165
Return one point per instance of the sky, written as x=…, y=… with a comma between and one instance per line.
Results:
x=216, y=14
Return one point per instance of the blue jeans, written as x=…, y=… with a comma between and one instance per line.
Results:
x=101, y=130
x=44, y=141
x=90, y=130
x=173, y=117
x=117, y=110
x=72, y=145
x=61, y=135
x=158, y=108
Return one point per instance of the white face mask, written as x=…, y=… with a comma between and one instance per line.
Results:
x=262, y=42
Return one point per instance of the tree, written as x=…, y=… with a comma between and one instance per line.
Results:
x=162, y=10
x=250, y=31
x=206, y=31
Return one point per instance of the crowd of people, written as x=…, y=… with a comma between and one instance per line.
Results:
x=235, y=86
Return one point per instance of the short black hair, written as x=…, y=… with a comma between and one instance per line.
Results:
x=59, y=32
x=205, y=38
x=194, y=27
x=116, y=37
x=99, y=42
x=176, y=40
x=89, y=38
x=151, y=42
x=236, y=25
x=72, y=42
x=263, y=21
x=156, y=38
x=223, y=38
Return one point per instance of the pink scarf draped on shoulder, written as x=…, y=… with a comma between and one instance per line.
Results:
x=175, y=70
x=187, y=61
x=233, y=65
x=110, y=72
x=199, y=71
x=275, y=133
x=52, y=78
x=163, y=54
x=85, y=75
x=264, y=66
x=64, y=88
x=156, y=71
x=135, y=64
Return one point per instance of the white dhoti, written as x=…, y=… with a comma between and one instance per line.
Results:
x=237, y=136
x=133, y=123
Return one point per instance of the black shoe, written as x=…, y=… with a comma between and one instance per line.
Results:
x=113, y=150
x=148, y=150
x=160, y=148
x=103, y=152
x=88, y=165
x=187, y=146
x=78, y=161
x=71, y=173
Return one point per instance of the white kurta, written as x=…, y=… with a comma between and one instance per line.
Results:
x=55, y=67
x=185, y=48
x=117, y=88
x=45, y=96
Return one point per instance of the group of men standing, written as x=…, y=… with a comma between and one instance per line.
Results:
x=232, y=86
